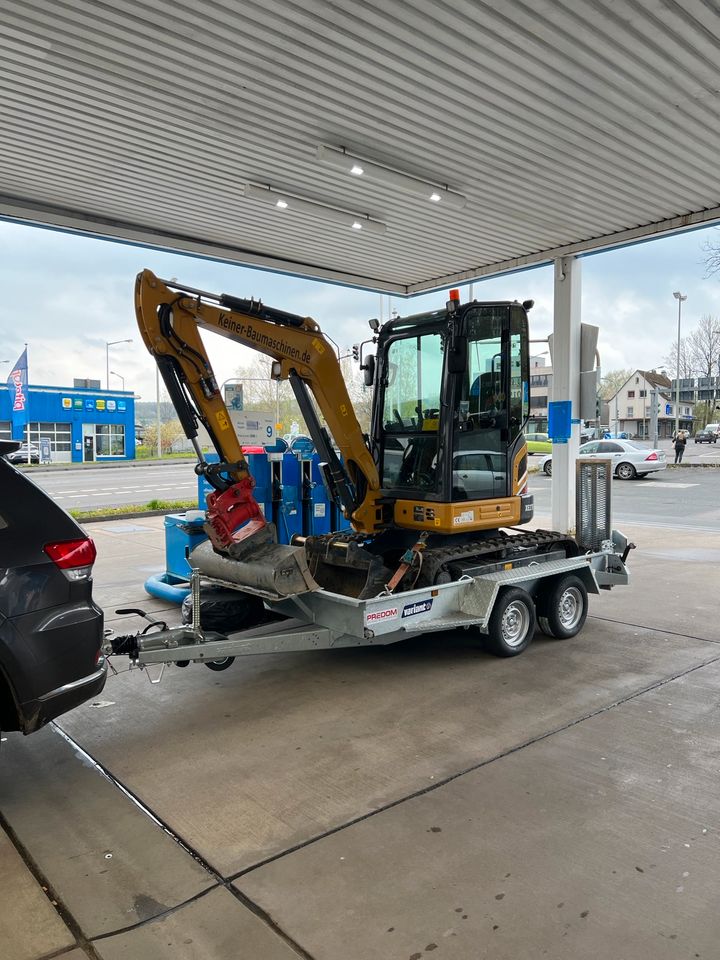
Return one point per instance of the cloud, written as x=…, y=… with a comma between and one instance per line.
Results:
x=66, y=295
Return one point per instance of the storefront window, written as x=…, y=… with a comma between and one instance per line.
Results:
x=59, y=435
x=110, y=440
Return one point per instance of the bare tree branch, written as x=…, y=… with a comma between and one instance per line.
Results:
x=711, y=249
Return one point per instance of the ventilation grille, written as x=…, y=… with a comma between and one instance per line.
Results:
x=593, y=479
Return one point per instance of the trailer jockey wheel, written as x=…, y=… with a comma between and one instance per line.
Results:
x=562, y=611
x=220, y=664
x=512, y=623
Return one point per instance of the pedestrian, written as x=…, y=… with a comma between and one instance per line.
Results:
x=680, y=441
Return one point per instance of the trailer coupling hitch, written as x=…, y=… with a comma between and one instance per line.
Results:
x=156, y=643
x=128, y=644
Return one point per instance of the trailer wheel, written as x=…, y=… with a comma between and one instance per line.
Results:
x=222, y=664
x=512, y=623
x=563, y=610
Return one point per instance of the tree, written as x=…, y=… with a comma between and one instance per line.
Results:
x=360, y=395
x=170, y=432
x=263, y=394
x=259, y=393
x=686, y=364
x=613, y=381
x=711, y=249
x=704, y=347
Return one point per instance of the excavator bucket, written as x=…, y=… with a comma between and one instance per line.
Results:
x=271, y=570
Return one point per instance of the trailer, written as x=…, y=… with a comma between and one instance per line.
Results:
x=503, y=601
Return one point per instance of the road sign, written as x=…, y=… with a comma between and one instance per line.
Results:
x=254, y=429
x=234, y=396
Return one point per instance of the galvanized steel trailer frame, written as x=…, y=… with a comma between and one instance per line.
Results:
x=321, y=620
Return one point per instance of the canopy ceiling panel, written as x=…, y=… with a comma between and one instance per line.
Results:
x=565, y=125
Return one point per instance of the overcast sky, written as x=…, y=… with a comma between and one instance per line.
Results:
x=66, y=295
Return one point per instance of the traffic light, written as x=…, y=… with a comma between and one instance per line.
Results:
x=356, y=352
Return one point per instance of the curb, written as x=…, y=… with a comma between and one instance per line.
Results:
x=61, y=468
x=131, y=515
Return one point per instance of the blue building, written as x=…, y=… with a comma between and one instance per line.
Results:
x=80, y=424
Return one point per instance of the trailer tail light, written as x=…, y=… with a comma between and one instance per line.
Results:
x=651, y=456
x=74, y=557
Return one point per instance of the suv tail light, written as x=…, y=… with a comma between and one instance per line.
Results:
x=74, y=557
x=651, y=456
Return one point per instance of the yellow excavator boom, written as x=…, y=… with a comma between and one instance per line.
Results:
x=169, y=317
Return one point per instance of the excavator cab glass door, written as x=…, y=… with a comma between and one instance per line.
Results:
x=411, y=412
x=492, y=401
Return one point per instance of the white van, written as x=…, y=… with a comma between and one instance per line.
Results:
x=714, y=428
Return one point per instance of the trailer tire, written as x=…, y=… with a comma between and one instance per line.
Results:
x=562, y=612
x=219, y=665
x=512, y=623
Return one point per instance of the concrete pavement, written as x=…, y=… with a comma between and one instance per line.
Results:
x=403, y=802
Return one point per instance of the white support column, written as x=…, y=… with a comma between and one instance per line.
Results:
x=566, y=386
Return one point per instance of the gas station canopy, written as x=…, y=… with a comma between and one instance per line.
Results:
x=397, y=146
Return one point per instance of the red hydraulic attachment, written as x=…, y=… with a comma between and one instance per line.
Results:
x=229, y=510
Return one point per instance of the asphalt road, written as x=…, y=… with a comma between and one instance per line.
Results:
x=678, y=499
x=118, y=486
x=688, y=498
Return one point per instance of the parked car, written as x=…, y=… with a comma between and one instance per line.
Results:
x=51, y=631
x=538, y=443
x=630, y=460
x=20, y=455
x=479, y=473
x=705, y=436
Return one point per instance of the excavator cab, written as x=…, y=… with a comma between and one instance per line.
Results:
x=451, y=403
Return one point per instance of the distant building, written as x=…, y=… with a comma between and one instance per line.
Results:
x=541, y=375
x=629, y=409
x=79, y=424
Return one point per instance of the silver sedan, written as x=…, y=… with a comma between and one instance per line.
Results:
x=630, y=460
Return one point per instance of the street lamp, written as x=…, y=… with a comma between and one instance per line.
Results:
x=120, y=377
x=108, y=344
x=679, y=297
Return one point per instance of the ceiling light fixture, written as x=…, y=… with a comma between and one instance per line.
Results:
x=292, y=203
x=341, y=160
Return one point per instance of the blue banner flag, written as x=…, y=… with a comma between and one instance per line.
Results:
x=18, y=386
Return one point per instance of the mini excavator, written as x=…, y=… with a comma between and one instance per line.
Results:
x=436, y=495
x=445, y=466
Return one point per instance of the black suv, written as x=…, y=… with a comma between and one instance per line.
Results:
x=51, y=632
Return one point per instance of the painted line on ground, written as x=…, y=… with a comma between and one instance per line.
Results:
x=669, y=486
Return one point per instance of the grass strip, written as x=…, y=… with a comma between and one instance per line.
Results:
x=169, y=506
